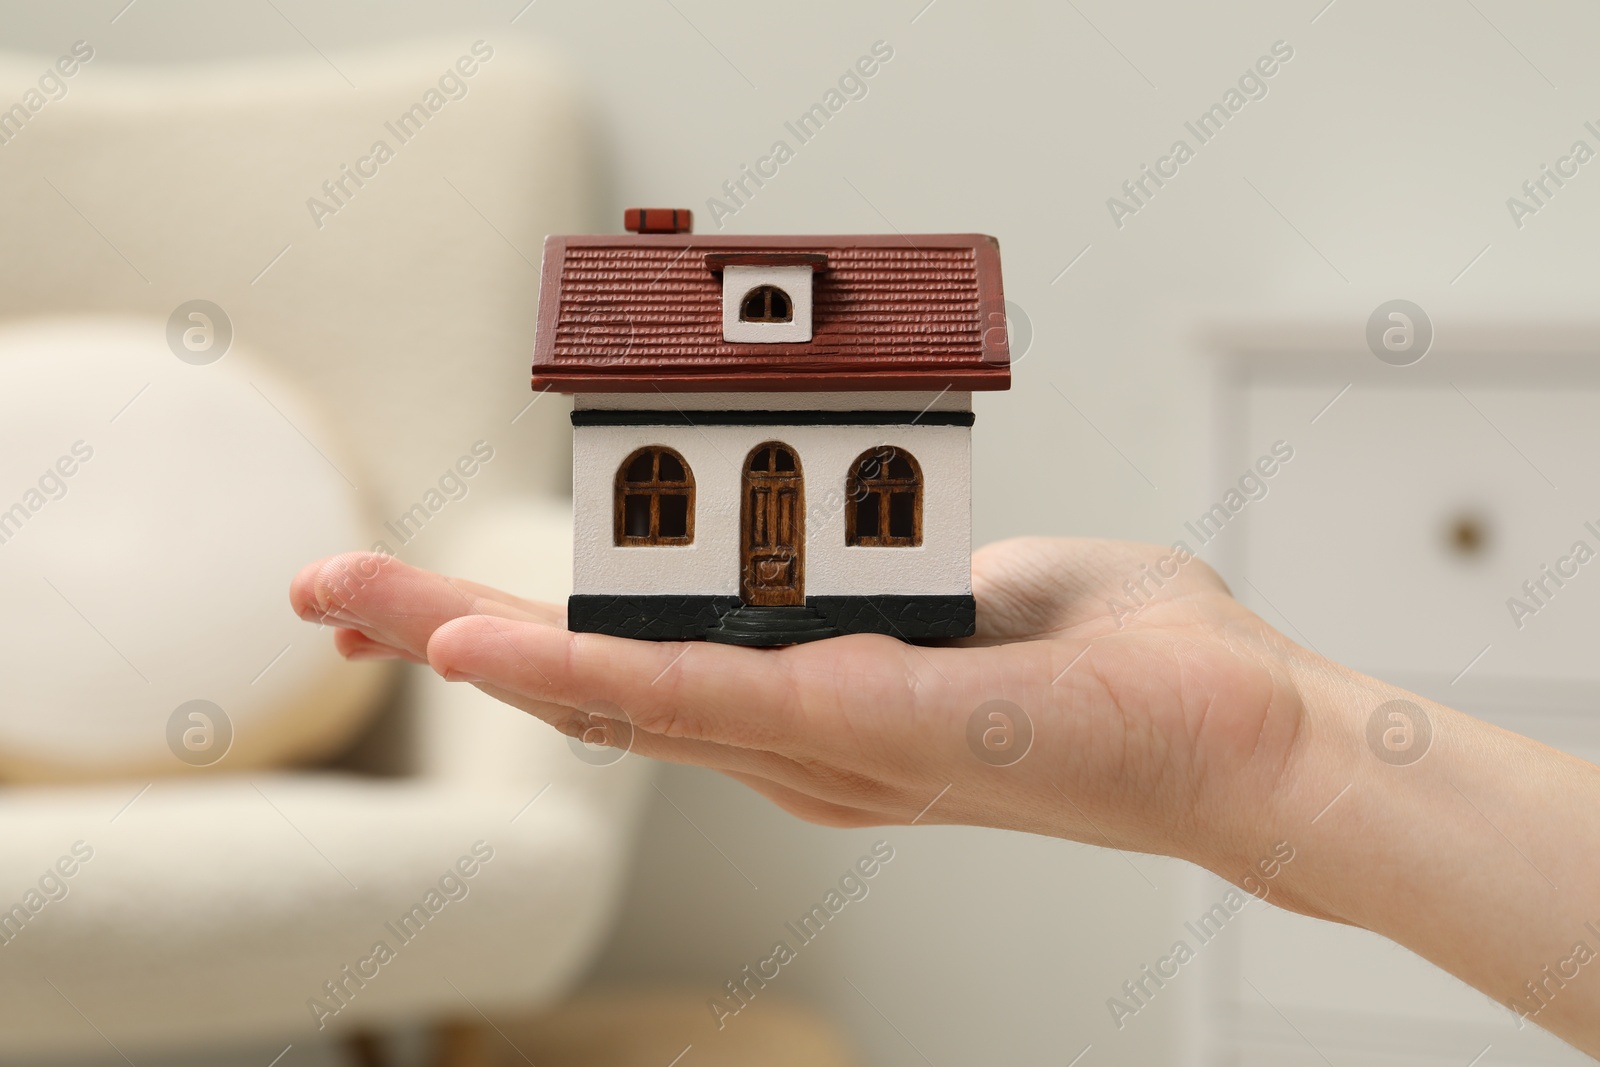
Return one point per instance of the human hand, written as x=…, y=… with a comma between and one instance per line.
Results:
x=1164, y=716
x=1162, y=719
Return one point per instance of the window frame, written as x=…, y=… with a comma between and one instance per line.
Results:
x=768, y=290
x=882, y=486
x=654, y=489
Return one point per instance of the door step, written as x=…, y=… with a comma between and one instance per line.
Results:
x=770, y=627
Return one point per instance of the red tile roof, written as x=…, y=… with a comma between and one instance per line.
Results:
x=640, y=313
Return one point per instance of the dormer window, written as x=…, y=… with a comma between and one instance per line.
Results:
x=766, y=296
x=766, y=303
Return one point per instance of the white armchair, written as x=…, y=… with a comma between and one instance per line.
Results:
x=222, y=907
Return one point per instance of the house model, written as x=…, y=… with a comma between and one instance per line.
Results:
x=771, y=435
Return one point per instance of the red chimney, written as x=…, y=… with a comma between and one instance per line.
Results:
x=658, y=220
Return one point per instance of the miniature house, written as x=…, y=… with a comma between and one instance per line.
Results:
x=771, y=435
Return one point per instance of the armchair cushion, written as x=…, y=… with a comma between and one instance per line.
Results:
x=151, y=511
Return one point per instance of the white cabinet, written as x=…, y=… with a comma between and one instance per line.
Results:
x=1419, y=502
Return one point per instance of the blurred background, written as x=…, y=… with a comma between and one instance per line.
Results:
x=236, y=336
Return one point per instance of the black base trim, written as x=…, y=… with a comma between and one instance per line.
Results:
x=687, y=618
x=910, y=618
x=678, y=417
x=647, y=618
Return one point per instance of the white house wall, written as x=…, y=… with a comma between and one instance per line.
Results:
x=716, y=455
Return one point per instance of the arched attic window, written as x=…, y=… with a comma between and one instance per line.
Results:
x=766, y=303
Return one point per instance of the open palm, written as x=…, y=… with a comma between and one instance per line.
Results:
x=1114, y=693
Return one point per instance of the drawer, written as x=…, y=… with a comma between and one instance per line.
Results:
x=1420, y=530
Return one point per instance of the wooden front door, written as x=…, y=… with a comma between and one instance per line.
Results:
x=772, y=527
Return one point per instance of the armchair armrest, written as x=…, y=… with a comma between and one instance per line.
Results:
x=458, y=734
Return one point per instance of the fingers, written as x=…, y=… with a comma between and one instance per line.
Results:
x=796, y=788
x=695, y=691
x=596, y=728
x=777, y=700
x=396, y=604
x=355, y=645
x=731, y=709
x=604, y=726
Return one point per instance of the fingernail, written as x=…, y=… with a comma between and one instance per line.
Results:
x=456, y=676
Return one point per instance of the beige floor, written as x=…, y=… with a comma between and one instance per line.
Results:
x=657, y=1029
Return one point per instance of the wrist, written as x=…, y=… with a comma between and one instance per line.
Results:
x=1447, y=835
x=1374, y=774
x=1288, y=834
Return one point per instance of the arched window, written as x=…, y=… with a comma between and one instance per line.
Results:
x=766, y=303
x=883, y=499
x=654, y=499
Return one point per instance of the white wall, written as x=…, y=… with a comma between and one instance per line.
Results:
x=1377, y=167
x=716, y=456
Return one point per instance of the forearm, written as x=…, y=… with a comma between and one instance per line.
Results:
x=1481, y=853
